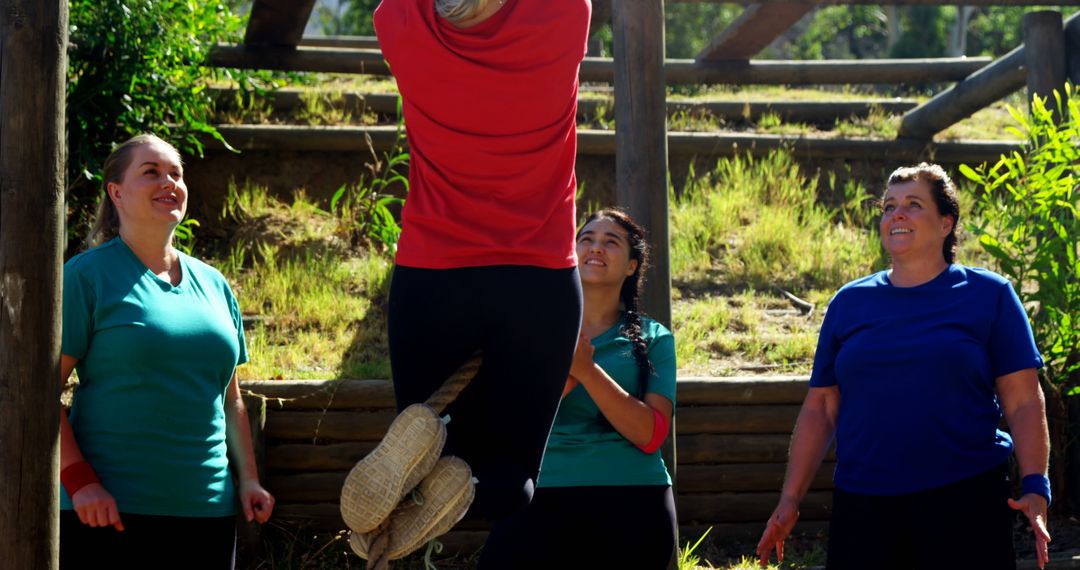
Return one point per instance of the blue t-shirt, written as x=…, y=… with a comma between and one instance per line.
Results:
x=154, y=362
x=916, y=369
x=584, y=450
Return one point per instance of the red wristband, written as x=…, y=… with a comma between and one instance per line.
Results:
x=659, y=432
x=76, y=476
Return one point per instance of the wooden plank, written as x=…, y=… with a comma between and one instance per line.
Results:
x=754, y=30
x=602, y=143
x=347, y=42
x=737, y=419
x=330, y=425
x=315, y=59
x=33, y=81
x=742, y=390
x=745, y=477
x=602, y=70
x=746, y=507
x=728, y=448
x=277, y=22
x=310, y=457
x=323, y=394
x=1044, y=42
x=815, y=112
x=823, y=72
x=248, y=533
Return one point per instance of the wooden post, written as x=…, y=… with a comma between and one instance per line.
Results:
x=1044, y=40
x=641, y=169
x=641, y=175
x=1072, y=49
x=33, y=70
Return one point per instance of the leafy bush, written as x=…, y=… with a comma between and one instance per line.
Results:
x=1029, y=224
x=136, y=66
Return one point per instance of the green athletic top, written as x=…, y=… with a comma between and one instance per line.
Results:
x=154, y=363
x=584, y=450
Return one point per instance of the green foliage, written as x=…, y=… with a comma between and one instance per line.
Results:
x=841, y=32
x=688, y=27
x=135, y=66
x=759, y=224
x=351, y=18
x=1029, y=225
x=688, y=559
x=925, y=31
x=185, y=235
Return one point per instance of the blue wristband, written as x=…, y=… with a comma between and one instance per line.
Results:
x=1038, y=484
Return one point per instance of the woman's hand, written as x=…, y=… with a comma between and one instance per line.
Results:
x=583, y=363
x=777, y=530
x=1034, y=508
x=257, y=502
x=96, y=507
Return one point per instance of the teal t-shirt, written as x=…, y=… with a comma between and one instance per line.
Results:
x=584, y=450
x=154, y=363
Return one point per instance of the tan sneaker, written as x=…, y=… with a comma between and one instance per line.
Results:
x=402, y=459
x=444, y=496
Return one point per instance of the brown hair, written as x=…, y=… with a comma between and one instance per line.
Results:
x=942, y=189
x=107, y=220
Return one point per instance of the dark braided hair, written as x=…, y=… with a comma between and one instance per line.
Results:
x=630, y=293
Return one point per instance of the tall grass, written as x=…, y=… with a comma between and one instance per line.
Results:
x=758, y=223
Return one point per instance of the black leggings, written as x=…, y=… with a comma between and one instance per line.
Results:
x=587, y=528
x=525, y=320
x=149, y=541
x=966, y=524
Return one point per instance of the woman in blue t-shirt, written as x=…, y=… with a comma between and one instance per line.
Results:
x=914, y=367
x=604, y=496
x=157, y=419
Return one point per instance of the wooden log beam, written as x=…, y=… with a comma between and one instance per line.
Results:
x=602, y=143
x=33, y=76
x=746, y=448
x=641, y=173
x=742, y=390
x=815, y=112
x=602, y=70
x=311, y=457
x=737, y=419
x=746, y=507
x=347, y=42
x=754, y=30
x=1072, y=49
x=323, y=394
x=277, y=22
x=988, y=85
x=356, y=425
x=1044, y=43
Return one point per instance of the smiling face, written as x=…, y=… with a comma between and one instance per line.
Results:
x=911, y=225
x=152, y=190
x=603, y=253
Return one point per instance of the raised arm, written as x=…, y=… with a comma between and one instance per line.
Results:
x=814, y=431
x=256, y=502
x=632, y=418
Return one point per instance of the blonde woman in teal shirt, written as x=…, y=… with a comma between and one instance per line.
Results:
x=604, y=496
x=157, y=420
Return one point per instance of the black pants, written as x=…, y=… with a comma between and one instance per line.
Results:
x=525, y=320
x=966, y=524
x=589, y=528
x=149, y=541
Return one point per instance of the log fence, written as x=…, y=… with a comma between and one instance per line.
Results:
x=732, y=436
